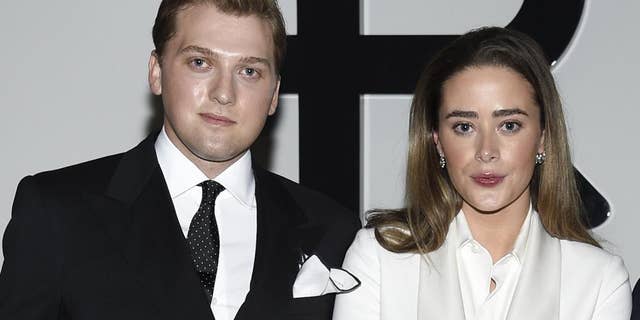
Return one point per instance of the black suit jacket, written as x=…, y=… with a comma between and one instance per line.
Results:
x=101, y=240
x=635, y=313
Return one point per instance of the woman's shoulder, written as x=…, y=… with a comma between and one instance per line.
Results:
x=587, y=253
x=366, y=235
x=594, y=276
x=366, y=247
x=366, y=240
x=592, y=262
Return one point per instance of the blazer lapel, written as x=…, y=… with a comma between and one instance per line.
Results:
x=439, y=294
x=538, y=293
x=278, y=252
x=152, y=243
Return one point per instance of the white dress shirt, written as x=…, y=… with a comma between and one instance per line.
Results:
x=235, y=212
x=476, y=270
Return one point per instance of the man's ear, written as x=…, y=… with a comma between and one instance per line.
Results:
x=274, y=99
x=436, y=140
x=155, y=74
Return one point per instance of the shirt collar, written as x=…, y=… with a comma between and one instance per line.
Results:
x=181, y=174
x=238, y=179
x=463, y=232
x=464, y=236
x=520, y=246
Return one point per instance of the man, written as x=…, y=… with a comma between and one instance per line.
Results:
x=183, y=226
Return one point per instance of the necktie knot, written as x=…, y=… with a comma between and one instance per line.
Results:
x=210, y=190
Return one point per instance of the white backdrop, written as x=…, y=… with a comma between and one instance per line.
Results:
x=73, y=87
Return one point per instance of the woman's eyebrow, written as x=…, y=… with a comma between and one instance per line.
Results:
x=509, y=112
x=497, y=113
x=462, y=114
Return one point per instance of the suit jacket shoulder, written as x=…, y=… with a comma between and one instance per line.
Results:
x=594, y=281
x=92, y=175
x=85, y=242
x=316, y=205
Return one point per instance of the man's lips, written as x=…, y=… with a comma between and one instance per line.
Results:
x=488, y=180
x=216, y=119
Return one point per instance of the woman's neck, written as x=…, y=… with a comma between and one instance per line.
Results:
x=497, y=231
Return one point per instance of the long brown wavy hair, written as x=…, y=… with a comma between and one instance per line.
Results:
x=431, y=200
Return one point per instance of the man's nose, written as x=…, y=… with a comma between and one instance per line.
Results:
x=222, y=89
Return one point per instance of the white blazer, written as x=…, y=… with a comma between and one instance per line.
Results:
x=560, y=279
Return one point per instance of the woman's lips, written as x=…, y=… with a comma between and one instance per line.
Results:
x=216, y=119
x=488, y=180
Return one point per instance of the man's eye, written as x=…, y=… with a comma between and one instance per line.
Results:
x=199, y=63
x=250, y=72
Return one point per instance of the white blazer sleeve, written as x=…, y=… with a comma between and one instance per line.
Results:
x=614, y=299
x=362, y=261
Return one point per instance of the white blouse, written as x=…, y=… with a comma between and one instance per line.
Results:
x=476, y=270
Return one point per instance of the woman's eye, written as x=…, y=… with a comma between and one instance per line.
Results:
x=462, y=128
x=511, y=126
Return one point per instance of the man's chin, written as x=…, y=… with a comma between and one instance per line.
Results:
x=220, y=157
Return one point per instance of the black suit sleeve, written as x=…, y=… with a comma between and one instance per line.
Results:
x=30, y=280
x=635, y=314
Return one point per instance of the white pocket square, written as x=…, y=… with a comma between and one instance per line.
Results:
x=315, y=279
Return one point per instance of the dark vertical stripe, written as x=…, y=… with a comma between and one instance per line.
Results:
x=326, y=73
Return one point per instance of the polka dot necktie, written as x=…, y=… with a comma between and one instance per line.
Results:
x=203, y=237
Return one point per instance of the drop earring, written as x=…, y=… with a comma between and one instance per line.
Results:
x=443, y=161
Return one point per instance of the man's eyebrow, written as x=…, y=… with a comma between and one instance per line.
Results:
x=210, y=53
x=254, y=60
x=462, y=114
x=509, y=112
x=201, y=50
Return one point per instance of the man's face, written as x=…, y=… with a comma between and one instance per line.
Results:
x=218, y=85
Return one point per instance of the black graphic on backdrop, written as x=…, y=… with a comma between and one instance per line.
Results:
x=329, y=64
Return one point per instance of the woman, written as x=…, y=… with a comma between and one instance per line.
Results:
x=491, y=228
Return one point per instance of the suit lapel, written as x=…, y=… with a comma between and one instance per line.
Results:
x=540, y=277
x=277, y=249
x=152, y=243
x=439, y=294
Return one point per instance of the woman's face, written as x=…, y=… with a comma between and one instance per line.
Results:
x=489, y=132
